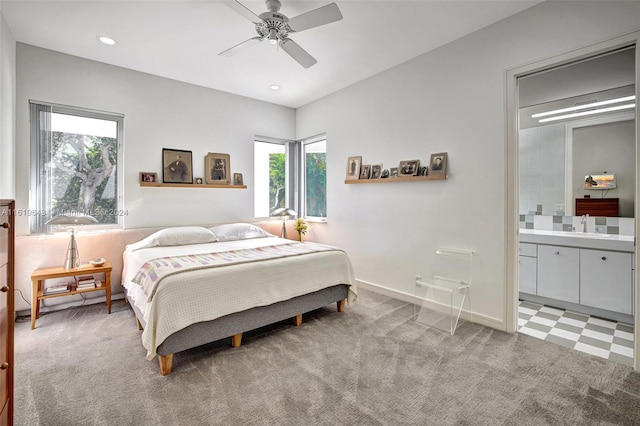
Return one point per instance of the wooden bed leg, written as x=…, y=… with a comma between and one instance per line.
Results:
x=236, y=340
x=166, y=362
x=297, y=320
x=341, y=304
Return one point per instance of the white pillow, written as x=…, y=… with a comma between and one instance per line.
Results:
x=238, y=231
x=178, y=236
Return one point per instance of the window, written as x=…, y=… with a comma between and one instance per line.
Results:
x=314, y=182
x=290, y=174
x=75, y=164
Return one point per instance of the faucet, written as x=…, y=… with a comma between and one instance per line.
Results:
x=583, y=221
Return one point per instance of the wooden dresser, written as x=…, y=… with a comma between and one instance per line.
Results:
x=7, y=237
x=598, y=207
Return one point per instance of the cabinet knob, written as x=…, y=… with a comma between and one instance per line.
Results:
x=4, y=366
x=557, y=253
x=4, y=289
x=604, y=257
x=6, y=225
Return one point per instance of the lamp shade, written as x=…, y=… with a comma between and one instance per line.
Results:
x=283, y=211
x=72, y=220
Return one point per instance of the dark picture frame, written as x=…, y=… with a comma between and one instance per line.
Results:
x=237, y=179
x=353, y=167
x=177, y=166
x=408, y=168
x=148, y=177
x=376, y=171
x=365, y=171
x=438, y=163
x=393, y=172
x=217, y=168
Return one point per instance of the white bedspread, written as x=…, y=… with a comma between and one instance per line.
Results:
x=206, y=294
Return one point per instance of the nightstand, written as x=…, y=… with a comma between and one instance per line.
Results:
x=40, y=275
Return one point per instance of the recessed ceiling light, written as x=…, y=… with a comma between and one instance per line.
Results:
x=275, y=87
x=107, y=40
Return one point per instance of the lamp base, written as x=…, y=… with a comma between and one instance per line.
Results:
x=73, y=257
x=283, y=234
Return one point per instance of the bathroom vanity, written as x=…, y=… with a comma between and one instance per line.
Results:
x=582, y=272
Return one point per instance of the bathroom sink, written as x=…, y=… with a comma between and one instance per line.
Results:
x=584, y=234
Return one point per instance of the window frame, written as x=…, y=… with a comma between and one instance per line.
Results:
x=36, y=222
x=295, y=190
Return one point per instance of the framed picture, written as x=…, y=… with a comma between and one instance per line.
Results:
x=365, y=171
x=408, y=168
x=217, y=168
x=393, y=172
x=423, y=171
x=376, y=171
x=148, y=177
x=353, y=167
x=237, y=179
x=438, y=163
x=176, y=166
x=199, y=181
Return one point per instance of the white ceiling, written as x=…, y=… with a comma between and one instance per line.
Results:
x=181, y=39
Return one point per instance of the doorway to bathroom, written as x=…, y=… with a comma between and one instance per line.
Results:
x=573, y=121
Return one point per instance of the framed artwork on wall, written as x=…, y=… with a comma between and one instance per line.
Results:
x=237, y=179
x=439, y=163
x=177, y=166
x=408, y=168
x=148, y=177
x=217, y=168
x=353, y=167
x=376, y=171
x=365, y=171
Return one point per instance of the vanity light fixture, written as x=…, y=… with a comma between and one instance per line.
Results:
x=106, y=40
x=584, y=106
x=590, y=112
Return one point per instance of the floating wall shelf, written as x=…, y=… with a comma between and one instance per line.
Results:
x=190, y=185
x=398, y=179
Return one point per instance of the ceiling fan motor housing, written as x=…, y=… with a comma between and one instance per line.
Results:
x=273, y=20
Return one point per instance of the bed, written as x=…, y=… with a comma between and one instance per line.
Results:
x=189, y=286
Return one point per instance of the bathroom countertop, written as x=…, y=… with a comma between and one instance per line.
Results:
x=579, y=239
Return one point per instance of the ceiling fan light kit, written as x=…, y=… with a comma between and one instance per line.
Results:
x=276, y=27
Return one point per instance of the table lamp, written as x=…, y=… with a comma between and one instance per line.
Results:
x=71, y=221
x=283, y=213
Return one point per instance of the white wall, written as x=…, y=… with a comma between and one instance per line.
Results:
x=451, y=99
x=159, y=113
x=7, y=109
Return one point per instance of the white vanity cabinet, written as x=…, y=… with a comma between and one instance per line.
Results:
x=559, y=273
x=606, y=280
x=527, y=268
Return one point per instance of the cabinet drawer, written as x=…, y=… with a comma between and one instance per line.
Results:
x=528, y=249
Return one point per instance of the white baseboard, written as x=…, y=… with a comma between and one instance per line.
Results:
x=410, y=298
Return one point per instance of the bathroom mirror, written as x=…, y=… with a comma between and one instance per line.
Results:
x=576, y=120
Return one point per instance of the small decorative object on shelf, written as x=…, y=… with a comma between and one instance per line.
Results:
x=148, y=177
x=393, y=172
x=199, y=181
x=353, y=167
x=301, y=227
x=376, y=171
x=385, y=173
x=237, y=179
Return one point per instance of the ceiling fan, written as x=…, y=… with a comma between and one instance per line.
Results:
x=276, y=27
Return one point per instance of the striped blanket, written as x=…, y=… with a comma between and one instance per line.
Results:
x=154, y=271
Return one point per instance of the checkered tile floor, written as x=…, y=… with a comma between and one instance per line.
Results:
x=606, y=339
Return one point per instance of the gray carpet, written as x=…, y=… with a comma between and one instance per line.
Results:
x=371, y=365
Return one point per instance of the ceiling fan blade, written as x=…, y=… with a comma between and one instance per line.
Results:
x=235, y=49
x=297, y=53
x=320, y=16
x=244, y=11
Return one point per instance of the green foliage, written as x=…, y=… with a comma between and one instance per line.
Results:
x=82, y=185
x=316, y=182
x=276, y=181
